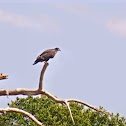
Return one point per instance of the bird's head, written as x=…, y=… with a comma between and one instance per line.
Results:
x=57, y=49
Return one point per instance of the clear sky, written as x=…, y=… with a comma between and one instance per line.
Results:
x=92, y=37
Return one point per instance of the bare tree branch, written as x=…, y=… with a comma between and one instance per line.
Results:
x=89, y=106
x=23, y=91
x=4, y=110
x=42, y=75
x=67, y=104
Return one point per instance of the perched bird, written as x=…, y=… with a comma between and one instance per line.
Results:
x=46, y=55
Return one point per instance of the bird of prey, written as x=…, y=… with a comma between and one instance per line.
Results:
x=46, y=55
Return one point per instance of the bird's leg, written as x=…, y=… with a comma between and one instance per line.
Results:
x=45, y=62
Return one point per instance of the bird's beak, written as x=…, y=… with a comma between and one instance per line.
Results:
x=59, y=50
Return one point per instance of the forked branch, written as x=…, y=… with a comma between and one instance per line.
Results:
x=23, y=91
x=39, y=91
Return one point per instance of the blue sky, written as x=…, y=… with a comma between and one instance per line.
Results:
x=92, y=36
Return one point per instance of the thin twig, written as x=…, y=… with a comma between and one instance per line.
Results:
x=67, y=104
x=42, y=75
x=4, y=110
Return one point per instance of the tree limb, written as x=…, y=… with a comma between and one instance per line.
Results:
x=89, y=106
x=23, y=91
x=42, y=75
x=67, y=104
x=4, y=110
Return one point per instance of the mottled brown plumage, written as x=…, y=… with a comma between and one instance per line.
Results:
x=46, y=55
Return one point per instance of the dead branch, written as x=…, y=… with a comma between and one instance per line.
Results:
x=73, y=100
x=42, y=75
x=89, y=106
x=67, y=104
x=5, y=110
x=23, y=91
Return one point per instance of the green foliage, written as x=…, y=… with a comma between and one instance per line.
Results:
x=53, y=114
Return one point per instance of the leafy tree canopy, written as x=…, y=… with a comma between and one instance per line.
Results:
x=51, y=113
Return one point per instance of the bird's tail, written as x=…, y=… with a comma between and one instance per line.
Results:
x=36, y=61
